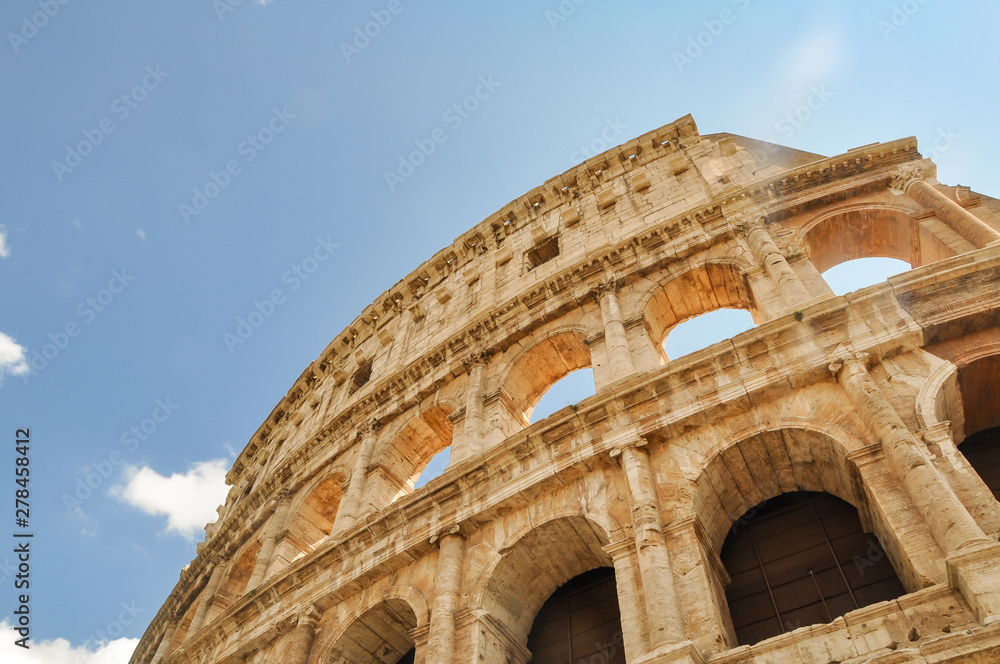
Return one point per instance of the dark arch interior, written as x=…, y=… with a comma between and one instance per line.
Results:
x=408, y=658
x=799, y=559
x=580, y=622
x=982, y=450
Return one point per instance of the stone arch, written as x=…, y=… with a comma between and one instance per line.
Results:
x=532, y=564
x=704, y=288
x=183, y=625
x=869, y=230
x=765, y=462
x=240, y=571
x=539, y=366
x=315, y=509
x=406, y=450
x=377, y=632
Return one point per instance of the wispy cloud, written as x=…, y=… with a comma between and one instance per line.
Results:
x=4, y=249
x=188, y=500
x=60, y=651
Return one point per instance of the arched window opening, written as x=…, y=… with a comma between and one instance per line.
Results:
x=860, y=273
x=241, y=571
x=409, y=657
x=434, y=467
x=982, y=450
x=542, y=366
x=409, y=455
x=568, y=391
x=314, y=519
x=979, y=385
x=360, y=377
x=870, y=231
x=704, y=330
x=580, y=622
x=380, y=635
x=707, y=289
x=799, y=559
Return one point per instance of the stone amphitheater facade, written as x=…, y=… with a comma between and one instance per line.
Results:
x=324, y=553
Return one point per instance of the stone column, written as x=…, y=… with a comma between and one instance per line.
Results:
x=207, y=595
x=615, y=338
x=662, y=615
x=266, y=553
x=161, y=650
x=302, y=639
x=635, y=634
x=909, y=180
x=950, y=523
x=447, y=588
x=766, y=253
x=470, y=443
x=965, y=481
x=350, y=507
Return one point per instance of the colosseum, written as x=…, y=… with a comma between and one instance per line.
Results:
x=818, y=489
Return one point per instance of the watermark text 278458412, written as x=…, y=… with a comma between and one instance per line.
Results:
x=22, y=549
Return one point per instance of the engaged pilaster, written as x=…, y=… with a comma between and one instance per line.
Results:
x=447, y=588
x=470, y=443
x=767, y=254
x=909, y=180
x=615, y=338
x=207, y=596
x=266, y=553
x=302, y=638
x=351, y=505
x=665, y=626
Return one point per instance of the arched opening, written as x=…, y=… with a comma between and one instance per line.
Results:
x=580, y=622
x=314, y=518
x=434, y=467
x=240, y=573
x=568, y=391
x=539, y=368
x=979, y=385
x=379, y=636
x=860, y=273
x=180, y=633
x=799, y=559
x=703, y=290
x=704, y=330
x=533, y=568
x=867, y=231
x=397, y=470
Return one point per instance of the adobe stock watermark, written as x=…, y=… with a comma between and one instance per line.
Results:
x=794, y=120
x=87, y=312
x=700, y=42
x=454, y=117
x=293, y=277
x=608, y=138
x=250, y=149
x=121, y=107
x=899, y=16
x=114, y=629
x=363, y=35
x=30, y=25
x=562, y=13
x=944, y=140
x=97, y=473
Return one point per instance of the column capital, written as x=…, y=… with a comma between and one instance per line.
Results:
x=476, y=357
x=904, y=176
x=441, y=534
x=843, y=357
x=310, y=617
x=637, y=444
x=609, y=283
x=369, y=426
x=747, y=223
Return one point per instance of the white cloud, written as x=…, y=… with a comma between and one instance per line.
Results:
x=4, y=249
x=60, y=651
x=188, y=500
x=141, y=233
x=12, y=358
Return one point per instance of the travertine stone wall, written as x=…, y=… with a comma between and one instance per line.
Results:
x=324, y=553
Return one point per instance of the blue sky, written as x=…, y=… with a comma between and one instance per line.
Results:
x=278, y=139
